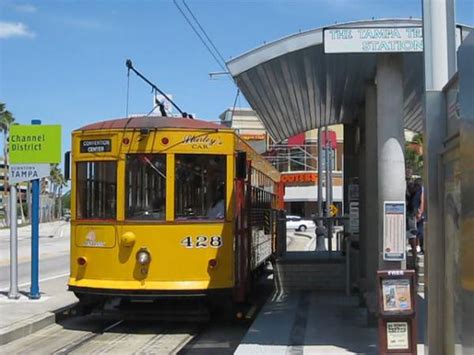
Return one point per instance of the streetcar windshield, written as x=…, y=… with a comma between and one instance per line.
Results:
x=96, y=190
x=200, y=186
x=145, y=186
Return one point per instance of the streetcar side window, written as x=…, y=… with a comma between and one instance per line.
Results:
x=200, y=186
x=145, y=188
x=96, y=190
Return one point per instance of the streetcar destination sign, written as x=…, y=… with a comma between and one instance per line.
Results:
x=96, y=146
x=34, y=144
x=373, y=40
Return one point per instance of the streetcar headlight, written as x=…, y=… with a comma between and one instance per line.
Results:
x=81, y=261
x=143, y=257
x=128, y=239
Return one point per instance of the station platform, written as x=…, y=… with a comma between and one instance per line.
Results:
x=310, y=322
x=25, y=316
x=316, y=322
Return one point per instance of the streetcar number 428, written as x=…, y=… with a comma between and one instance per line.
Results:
x=202, y=241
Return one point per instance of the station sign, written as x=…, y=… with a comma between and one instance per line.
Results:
x=354, y=217
x=27, y=172
x=373, y=39
x=35, y=144
x=377, y=39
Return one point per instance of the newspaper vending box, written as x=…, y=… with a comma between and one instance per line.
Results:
x=397, y=311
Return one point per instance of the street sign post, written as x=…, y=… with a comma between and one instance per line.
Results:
x=13, y=291
x=30, y=144
x=32, y=149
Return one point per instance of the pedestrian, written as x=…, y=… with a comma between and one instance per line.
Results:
x=411, y=211
x=420, y=213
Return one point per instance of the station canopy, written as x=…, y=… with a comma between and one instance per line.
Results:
x=294, y=86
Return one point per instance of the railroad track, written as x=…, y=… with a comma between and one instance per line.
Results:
x=90, y=335
x=133, y=337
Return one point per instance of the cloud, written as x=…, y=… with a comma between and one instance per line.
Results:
x=25, y=8
x=15, y=29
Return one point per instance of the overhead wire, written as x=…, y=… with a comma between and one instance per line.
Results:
x=221, y=65
x=204, y=32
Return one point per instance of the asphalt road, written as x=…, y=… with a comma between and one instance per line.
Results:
x=53, y=249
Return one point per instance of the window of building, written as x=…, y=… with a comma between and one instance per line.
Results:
x=145, y=188
x=96, y=190
x=200, y=186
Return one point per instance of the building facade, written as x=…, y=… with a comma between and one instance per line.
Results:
x=296, y=158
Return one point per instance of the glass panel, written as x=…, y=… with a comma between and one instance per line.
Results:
x=145, y=188
x=96, y=190
x=200, y=186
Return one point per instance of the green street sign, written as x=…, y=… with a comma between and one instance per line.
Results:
x=35, y=144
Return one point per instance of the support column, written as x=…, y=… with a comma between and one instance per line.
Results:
x=349, y=156
x=439, y=66
x=370, y=200
x=390, y=141
x=361, y=167
x=385, y=163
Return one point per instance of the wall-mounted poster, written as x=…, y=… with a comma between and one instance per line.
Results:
x=394, y=231
x=396, y=295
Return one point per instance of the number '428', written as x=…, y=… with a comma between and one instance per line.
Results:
x=202, y=241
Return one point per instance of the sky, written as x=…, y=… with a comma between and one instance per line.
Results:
x=63, y=62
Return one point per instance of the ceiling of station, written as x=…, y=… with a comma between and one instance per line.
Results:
x=295, y=87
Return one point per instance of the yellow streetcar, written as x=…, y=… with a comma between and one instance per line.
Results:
x=168, y=207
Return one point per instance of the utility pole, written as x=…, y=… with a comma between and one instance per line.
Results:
x=13, y=292
x=320, y=233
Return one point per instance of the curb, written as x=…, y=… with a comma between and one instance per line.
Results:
x=31, y=325
x=301, y=234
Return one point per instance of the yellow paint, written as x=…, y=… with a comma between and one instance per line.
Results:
x=173, y=266
x=111, y=249
x=127, y=239
x=170, y=187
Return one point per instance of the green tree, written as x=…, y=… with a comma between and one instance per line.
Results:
x=57, y=183
x=414, y=154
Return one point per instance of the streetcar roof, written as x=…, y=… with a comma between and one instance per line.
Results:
x=152, y=122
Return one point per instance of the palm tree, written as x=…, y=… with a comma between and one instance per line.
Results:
x=6, y=120
x=57, y=184
x=414, y=154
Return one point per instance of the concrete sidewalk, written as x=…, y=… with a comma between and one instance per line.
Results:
x=22, y=317
x=316, y=322
x=310, y=322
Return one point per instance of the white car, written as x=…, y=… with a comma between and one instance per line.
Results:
x=299, y=224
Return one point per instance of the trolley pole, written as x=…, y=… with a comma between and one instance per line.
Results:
x=13, y=292
x=34, y=290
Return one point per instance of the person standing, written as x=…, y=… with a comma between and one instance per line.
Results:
x=420, y=212
x=411, y=213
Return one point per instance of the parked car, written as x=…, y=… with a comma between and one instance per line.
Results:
x=298, y=223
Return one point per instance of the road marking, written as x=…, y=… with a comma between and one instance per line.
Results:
x=40, y=280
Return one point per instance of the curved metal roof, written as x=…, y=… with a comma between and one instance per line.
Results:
x=152, y=123
x=294, y=87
